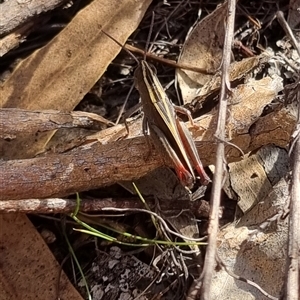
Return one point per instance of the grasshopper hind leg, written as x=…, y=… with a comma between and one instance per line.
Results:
x=186, y=178
x=186, y=112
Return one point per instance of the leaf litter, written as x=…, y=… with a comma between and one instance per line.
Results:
x=203, y=47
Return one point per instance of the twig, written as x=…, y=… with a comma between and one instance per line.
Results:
x=15, y=121
x=287, y=30
x=60, y=205
x=292, y=284
x=168, y=62
x=86, y=167
x=210, y=257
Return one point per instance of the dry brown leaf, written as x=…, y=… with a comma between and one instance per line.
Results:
x=256, y=247
x=252, y=178
x=61, y=73
x=203, y=49
x=28, y=268
x=186, y=224
x=237, y=70
x=247, y=104
x=249, y=181
x=254, y=96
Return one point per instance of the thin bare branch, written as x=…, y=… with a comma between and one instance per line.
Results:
x=288, y=30
x=60, y=205
x=292, y=284
x=210, y=257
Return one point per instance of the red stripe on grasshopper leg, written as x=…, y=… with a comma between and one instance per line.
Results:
x=191, y=149
x=186, y=178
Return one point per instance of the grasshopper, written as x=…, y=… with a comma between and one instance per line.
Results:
x=167, y=132
x=161, y=118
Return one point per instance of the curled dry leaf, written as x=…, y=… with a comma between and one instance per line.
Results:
x=237, y=70
x=253, y=96
x=203, y=49
x=246, y=106
x=249, y=181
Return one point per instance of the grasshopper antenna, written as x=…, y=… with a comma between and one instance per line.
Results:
x=122, y=46
x=149, y=35
x=129, y=93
